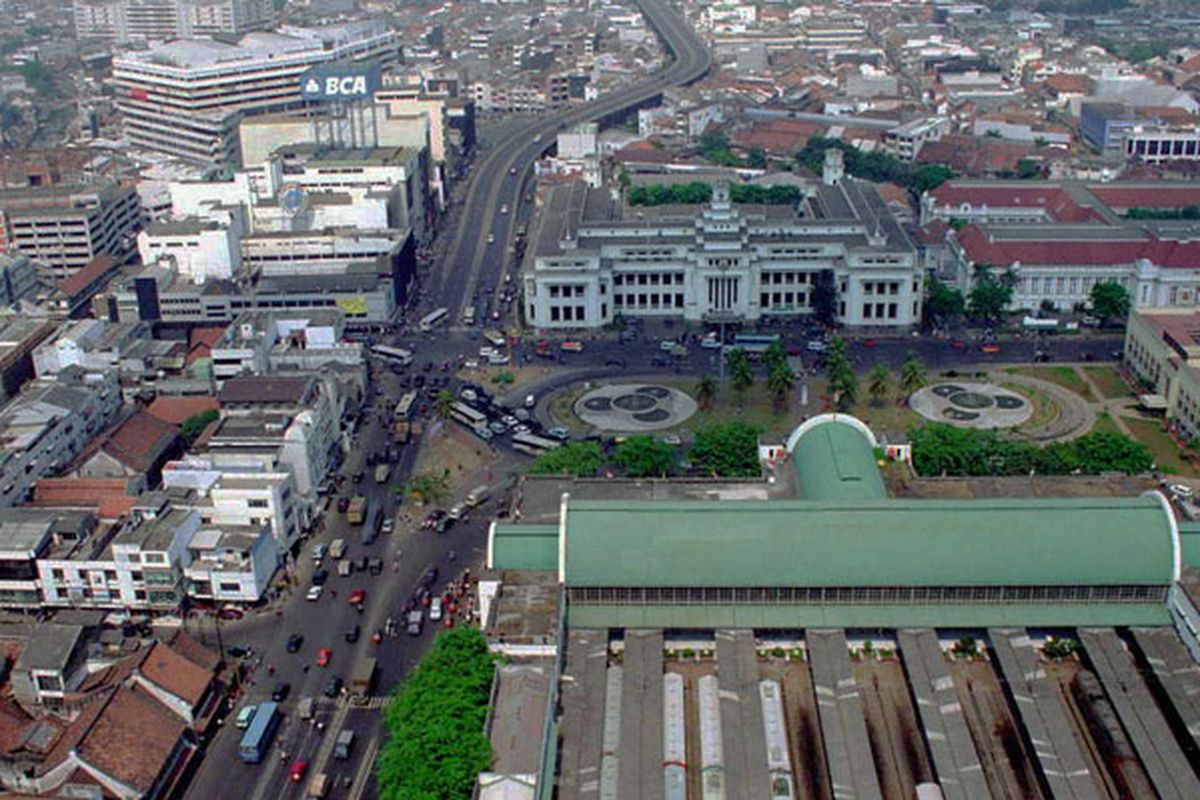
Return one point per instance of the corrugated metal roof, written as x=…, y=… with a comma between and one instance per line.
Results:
x=835, y=461
x=525, y=547
x=1189, y=540
x=1059, y=542
x=873, y=616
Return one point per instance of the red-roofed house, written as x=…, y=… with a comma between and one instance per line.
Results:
x=110, y=497
x=80, y=288
x=186, y=686
x=139, y=445
x=177, y=410
x=1062, y=264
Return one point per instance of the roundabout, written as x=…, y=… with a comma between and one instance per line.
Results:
x=634, y=407
x=971, y=405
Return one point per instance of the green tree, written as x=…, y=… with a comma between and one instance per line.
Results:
x=443, y=405
x=429, y=487
x=727, y=451
x=194, y=425
x=943, y=304
x=941, y=449
x=1110, y=300
x=843, y=383
x=929, y=177
x=436, y=746
x=780, y=380
x=756, y=158
x=1027, y=168
x=775, y=356
x=879, y=384
x=578, y=459
x=645, y=457
x=706, y=391
x=991, y=295
x=825, y=298
x=741, y=374
x=912, y=374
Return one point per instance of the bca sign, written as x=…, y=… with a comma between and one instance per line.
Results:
x=347, y=82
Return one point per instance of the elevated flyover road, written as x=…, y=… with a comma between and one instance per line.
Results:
x=495, y=191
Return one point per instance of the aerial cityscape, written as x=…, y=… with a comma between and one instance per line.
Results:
x=614, y=400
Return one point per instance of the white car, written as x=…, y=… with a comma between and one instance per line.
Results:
x=667, y=345
x=710, y=343
x=314, y=593
x=530, y=401
x=468, y=395
x=504, y=208
x=491, y=238
x=817, y=346
x=435, y=609
x=510, y=420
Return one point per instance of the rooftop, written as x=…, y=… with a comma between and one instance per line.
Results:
x=50, y=647
x=266, y=390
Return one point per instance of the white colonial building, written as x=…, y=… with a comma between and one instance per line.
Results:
x=596, y=259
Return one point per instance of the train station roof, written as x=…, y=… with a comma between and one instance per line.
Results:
x=1010, y=542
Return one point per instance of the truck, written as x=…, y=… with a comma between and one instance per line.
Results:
x=357, y=512
x=318, y=787
x=363, y=679
x=478, y=496
x=337, y=549
x=382, y=472
x=343, y=745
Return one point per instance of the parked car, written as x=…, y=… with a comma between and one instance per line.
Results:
x=333, y=687
x=358, y=596
x=562, y=434
x=352, y=634
x=324, y=656
x=435, y=609
x=298, y=771
x=239, y=651
x=281, y=691
x=293, y=643
x=319, y=577
x=314, y=593
x=242, y=721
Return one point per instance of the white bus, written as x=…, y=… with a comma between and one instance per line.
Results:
x=432, y=318
x=532, y=445
x=495, y=338
x=405, y=406
x=468, y=416
x=397, y=354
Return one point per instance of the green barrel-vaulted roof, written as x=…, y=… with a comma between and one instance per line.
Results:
x=834, y=460
x=1050, y=542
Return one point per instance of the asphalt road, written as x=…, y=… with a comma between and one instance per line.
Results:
x=498, y=182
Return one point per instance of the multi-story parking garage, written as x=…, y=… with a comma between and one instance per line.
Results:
x=848, y=644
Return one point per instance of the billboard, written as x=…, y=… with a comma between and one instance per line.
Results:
x=332, y=82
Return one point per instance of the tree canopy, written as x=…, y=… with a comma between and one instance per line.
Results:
x=943, y=303
x=991, y=294
x=843, y=383
x=875, y=166
x=1110, y=300
x=645, y=457
x=697, y=192
x=579, y=459
x=727, y=451
x=435, y=744
x=194, y=425
x=941, y=449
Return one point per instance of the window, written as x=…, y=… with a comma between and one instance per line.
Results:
x=554, y=313
x=257, y=503
x=230, y=587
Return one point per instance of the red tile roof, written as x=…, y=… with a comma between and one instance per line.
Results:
x=1080, y=252
x=169, y=669
x=1054, y=200
x=176, y=410
x=201, y=341
x=1069, y=84
x=111, y=497
x=132, y=738
x=1147, y=196
x=195, y=652
x=141, y=440
x=93, y=271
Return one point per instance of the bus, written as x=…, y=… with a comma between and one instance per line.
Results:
x=257, y=738
x=468, y=416
x=432, y=318
x=532, y=445
x=405, y=406
x=754, y=345
x=396, y=354
x=495, y=338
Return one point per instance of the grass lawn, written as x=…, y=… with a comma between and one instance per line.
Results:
x=756, y=408
x=1045, y=410
x=1065, y=377
x=1111, y=384
x=1105, y=424
x=1166, y=453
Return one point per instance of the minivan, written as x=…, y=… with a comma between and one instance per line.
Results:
x=244, y=717
x=478, y=496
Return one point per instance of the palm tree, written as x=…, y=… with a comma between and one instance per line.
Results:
x=741, y=374
x=912, y=374
x=879, y=381
x=779, y=384
x=706, y=391
x=443, y=405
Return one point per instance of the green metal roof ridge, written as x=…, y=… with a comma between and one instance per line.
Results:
x=886, y=503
